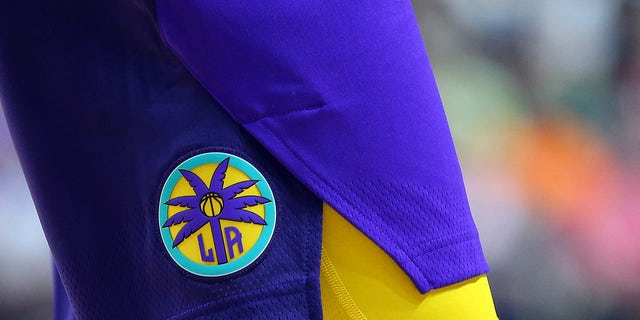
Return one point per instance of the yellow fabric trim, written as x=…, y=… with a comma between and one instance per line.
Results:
x=337, y=303
x=367, y=279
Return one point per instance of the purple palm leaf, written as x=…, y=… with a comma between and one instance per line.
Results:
x=189, y=228
x=217, y=179
x=182, y=216
x=237, y=188
x=186, y=201
x=243, y=216
x=246, y=201
x=195, y=182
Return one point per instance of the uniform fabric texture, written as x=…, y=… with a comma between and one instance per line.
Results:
x=342, y=95
x=330, y=102
x=100, y=112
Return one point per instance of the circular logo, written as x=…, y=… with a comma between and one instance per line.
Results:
x=216, y=214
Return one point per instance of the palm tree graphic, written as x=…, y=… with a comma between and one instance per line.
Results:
x=212, y=204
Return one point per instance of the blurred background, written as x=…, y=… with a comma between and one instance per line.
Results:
x=543, y=98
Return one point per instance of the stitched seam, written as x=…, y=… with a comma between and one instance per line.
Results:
x=307, y=269
x=335, y=194
x=422, y=254
x=283, y=113
x=445, y=241
x=339, y=289
x=282, y=287
x=186, y=65
x=190, y=69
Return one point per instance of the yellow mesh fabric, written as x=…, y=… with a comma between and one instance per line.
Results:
x=336, y=301
x=360, y=281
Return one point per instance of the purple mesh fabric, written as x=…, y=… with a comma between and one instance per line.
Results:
x=343, y=95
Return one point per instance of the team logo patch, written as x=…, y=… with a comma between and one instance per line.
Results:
x=216, y=215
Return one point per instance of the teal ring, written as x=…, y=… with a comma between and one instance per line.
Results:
x=254, y=252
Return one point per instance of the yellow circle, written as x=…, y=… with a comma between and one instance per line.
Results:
x=190, y=247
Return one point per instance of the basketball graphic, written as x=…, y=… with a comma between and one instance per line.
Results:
x=211, y=204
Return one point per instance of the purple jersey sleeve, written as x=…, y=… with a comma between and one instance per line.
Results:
x=343, y=95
